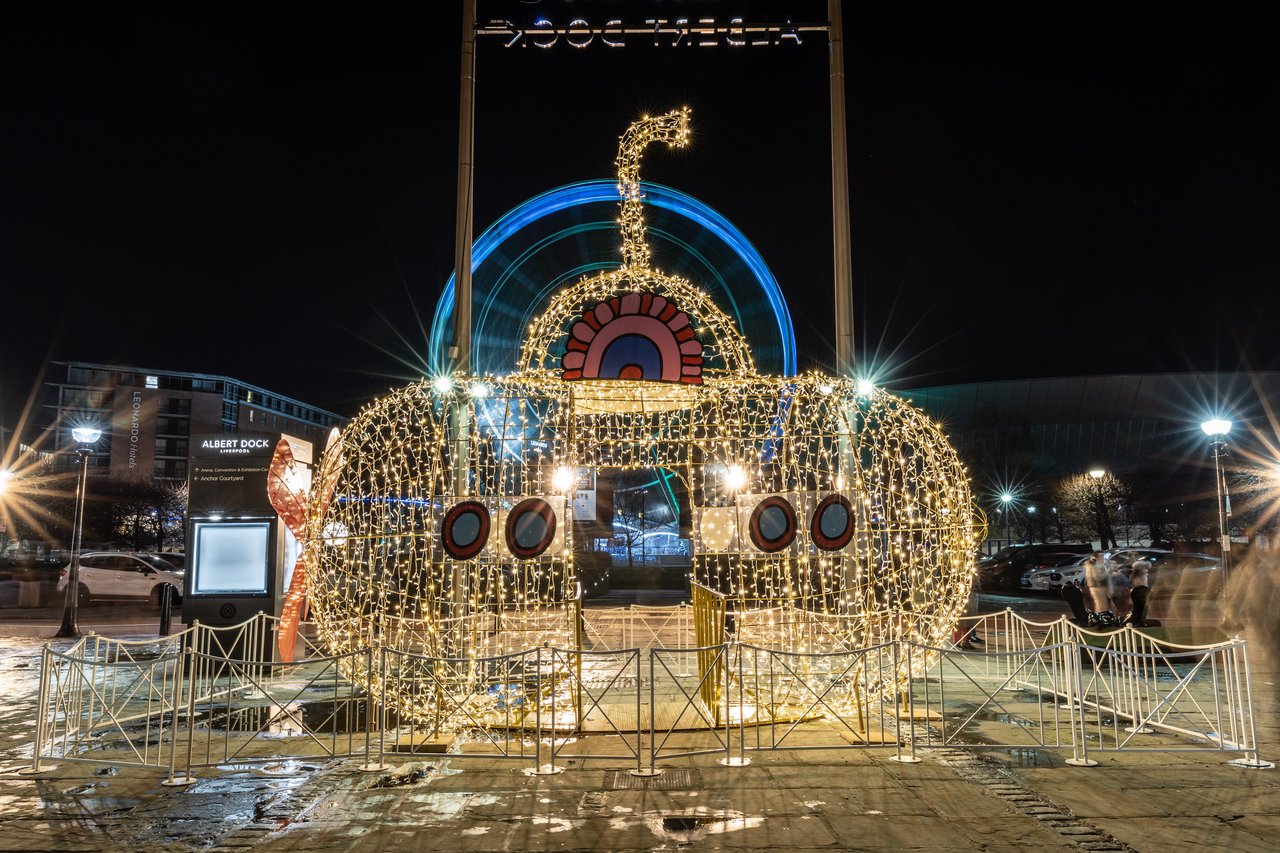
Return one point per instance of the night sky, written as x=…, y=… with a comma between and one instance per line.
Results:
x=1037, y=189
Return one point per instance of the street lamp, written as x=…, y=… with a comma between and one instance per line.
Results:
x=1005, y=500
x=1217, y=429
x=86, y=438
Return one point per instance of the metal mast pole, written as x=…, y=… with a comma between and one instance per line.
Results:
x=841, y=229
x=1224, y=510
x=461, y=351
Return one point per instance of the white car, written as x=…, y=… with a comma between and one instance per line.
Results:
x=1048, y=580
x=124, y=576
x=1053, y=578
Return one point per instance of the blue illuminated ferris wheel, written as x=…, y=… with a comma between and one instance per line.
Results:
x=558, y=237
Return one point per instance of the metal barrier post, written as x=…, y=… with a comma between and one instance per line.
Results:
x=174, y=781
x=1252, y=762
x=731, y=760
x=42, y=714
x=550, y=768
x=1075, y=693
x=908, y=707
x=641, y=770
x=370, y=766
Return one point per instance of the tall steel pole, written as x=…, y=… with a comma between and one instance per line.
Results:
x=460, y=354
x=71, y=603
x=1224, y=510
x=840, y=220
x=461, y=351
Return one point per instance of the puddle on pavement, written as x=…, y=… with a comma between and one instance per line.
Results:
x=690, y=826
x=408, y=774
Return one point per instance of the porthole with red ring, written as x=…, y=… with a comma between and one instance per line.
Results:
x=832, y=525
x=531, y=527
x=773, y=524
x=465, y=530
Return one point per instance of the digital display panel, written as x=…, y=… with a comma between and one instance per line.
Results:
x=231, y=558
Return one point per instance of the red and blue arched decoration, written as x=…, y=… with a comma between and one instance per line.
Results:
x=773, y=524
x=465, y=530
x=531, y=528
x=634, y=336
x=832, y=524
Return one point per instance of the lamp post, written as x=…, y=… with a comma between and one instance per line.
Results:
x=85, y=437
x=1217, y=429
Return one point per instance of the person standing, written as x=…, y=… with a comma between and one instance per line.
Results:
x=1120, y=591
x=1140, y=580
x=1097, y=578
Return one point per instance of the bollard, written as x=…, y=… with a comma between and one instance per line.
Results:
x=166, y=610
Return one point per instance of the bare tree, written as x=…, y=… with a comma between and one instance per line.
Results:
x=1086, y=505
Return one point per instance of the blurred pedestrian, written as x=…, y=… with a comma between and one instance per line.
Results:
x=1139, y=589
x=1119, y=590
x=1097, y=579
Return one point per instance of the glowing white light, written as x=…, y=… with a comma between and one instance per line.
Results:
x=1217, y=426
x=5, y=477
x=826, y=388
x=866, y=387
x=86, y=435
x=334, y=534
x=563, y=479
x=1005, y=498
x=442, y=384
x=478, y=390
x=1097, y=473
x=735, y=478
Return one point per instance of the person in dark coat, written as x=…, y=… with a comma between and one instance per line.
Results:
x=1073, y=595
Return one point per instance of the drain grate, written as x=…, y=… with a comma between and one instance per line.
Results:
x=1005, y=786
x=670, y=780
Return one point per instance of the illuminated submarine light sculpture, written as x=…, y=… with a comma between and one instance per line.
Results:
x=829, y=516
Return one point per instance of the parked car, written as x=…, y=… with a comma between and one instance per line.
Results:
x=177, y=559
x=1052, y=578
x=1186, y=576
x=1003, y=569
x=124, y=576
x=1119, y=560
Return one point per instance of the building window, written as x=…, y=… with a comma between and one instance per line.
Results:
x=153, y=382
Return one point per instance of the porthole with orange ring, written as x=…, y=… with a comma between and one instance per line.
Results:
x=832, y=524
x=465, y=530
x=531, y=528
x=773, y=524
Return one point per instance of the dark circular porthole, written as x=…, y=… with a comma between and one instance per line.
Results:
x=531, y=527
x=832, y=525
x=465, y=530
x=773, y=524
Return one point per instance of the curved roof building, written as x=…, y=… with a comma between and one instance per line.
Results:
x=1067, y=425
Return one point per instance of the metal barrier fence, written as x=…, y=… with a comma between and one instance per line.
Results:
x=214, y=697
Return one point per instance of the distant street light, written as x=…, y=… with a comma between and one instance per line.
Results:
x=1217, y=429
x=1005, y=499
x=86, y=437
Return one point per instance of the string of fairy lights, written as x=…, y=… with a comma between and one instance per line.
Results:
x=829, y=514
